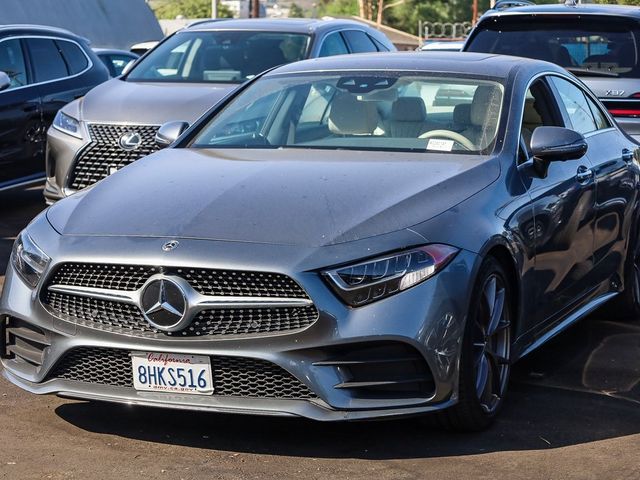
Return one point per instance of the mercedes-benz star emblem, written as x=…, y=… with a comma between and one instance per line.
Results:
x=164, y=304
x=167, y=247
x=130, y=140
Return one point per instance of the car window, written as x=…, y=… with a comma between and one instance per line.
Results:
x=73, y=55
x=333, y=45
x=379, y=45
x=118, y=62
x=575, y=105
x=219, y=56
x=601, y=120
x=539, y=111
x=46, y=60
x=12, y=62
x=359, y=41
x=600, y=44
x=360, y=111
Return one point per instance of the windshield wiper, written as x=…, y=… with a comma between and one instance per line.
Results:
x=585, y=72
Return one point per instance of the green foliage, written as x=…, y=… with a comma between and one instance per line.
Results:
x=295, y=11
x=189, y=9
x=338, y=8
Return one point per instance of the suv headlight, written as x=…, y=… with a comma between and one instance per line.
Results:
x=375, y=279
x=67, y=124
x=28, y=259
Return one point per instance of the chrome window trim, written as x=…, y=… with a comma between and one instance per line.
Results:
x=48, y=37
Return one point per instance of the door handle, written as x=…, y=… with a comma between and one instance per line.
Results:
x=30, y=108
x=627, y=155
x=584, y=174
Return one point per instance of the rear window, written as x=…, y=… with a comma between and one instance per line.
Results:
x=598, y=45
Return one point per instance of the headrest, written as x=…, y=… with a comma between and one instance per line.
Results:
x=409, y=109
x=350, y=116
x=462, y=114
x=484, y=104
x=531, y=115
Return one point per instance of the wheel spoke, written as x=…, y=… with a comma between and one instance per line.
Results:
x=482, y=377
x=496, y=312
x=498, y=359
x=490, y=294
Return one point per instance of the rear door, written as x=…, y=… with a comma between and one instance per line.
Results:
x=56, y=64
x=611, y=153
x=20, y=117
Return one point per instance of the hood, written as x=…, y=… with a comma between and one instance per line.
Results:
x=150, y=103
x=295, y=197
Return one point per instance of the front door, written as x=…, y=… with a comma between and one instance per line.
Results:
x=563, y=207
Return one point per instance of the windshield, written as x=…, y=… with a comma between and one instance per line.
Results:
x=360, y=111
x=606, y=46
x=219, y=56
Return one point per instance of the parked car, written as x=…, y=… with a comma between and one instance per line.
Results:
x=41, y=69
x=143, y=47
x=320, y=245
x=442, y=46
x=180, y=79
x=599, y=43
x=115, y=60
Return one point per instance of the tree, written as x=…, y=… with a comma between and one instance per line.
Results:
x=295, y=11
x=190, y=9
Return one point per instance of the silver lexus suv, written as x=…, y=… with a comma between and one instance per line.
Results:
x=116, y=123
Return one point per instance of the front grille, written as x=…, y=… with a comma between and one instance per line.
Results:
x=232, y=376
x=104, y=153
x=128, y=319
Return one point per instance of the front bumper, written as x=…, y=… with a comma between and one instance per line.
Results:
x=428, y=319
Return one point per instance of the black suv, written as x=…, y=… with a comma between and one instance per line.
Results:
x=41, y=69
x=599, y=43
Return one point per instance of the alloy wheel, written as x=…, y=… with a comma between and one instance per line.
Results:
x=492, y=343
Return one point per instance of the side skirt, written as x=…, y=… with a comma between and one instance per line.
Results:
x=566, y=323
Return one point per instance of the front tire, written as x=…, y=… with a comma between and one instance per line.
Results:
x=485, y=363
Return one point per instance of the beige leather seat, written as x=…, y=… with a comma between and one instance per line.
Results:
x=483, y=115
x=350, y=116
x=408, y=118
x=531, y=120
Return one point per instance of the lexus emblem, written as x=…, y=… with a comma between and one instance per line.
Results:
x=130, y=140
x=172, y=245
x=164, y=304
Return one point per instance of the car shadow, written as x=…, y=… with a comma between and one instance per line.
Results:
x=580, y=388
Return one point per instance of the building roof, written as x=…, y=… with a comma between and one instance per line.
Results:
x=106, y=23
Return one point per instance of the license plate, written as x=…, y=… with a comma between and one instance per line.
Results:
x=172, y=372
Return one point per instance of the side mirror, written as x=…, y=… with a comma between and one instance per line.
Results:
x=553, y=144
x=5, y=81
x=169, y=133
x=127, y=67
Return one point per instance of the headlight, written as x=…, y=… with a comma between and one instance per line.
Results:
x=381, y=277
x=28, y=259
x=67, y=124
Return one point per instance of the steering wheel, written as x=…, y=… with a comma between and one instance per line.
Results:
x=455, y=136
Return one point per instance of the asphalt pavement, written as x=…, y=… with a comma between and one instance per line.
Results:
x=573, y=412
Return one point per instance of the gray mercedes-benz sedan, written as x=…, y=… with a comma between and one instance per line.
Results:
x=180, y=79
x=346, y=238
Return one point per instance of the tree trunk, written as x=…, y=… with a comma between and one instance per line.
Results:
x=380, y=10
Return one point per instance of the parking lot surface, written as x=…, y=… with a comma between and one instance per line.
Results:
x=573, y=411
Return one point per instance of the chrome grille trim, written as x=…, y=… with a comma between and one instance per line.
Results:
x=94, y=161
x=118, y=309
